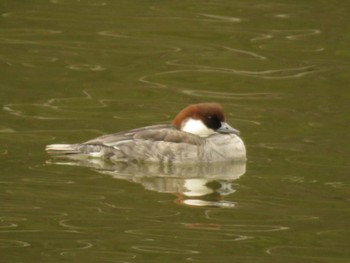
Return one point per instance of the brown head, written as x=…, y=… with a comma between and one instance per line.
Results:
x=202, y=119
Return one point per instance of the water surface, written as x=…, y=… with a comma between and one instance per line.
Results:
x=73, y=70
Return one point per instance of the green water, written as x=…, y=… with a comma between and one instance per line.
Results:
x=73, y=70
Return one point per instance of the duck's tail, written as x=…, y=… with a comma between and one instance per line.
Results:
x=62, y=149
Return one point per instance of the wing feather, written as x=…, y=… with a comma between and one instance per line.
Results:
x=166, y=133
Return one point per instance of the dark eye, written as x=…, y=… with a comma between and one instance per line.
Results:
x=212, y=122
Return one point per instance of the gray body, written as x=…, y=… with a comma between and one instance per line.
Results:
x=157, y=143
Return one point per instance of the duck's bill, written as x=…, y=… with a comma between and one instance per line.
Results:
x=226, y=128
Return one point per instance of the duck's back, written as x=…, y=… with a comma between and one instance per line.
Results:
x=157, y=143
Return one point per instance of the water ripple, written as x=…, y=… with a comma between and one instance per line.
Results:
x=291, y=34
x=4, y=152
x=286, y=73
x=309, y=252
x=159, y=214
x=245, y=52
x=110, y=213
x=223, y=18
x=294, y=147
x=246, y=228
x=86, y=67
x=86, y=105
x=164, y=250
x=190, y=234
x=232, y=95
x=112, y=34
x=30, y=32
x=85, y=3
x=34, y=135
x=6, y=243
x=232, y=258
x=337, y=184
x=290, y=40
x=319, y=160
x=222, y=215
x=49, y=109
x=88, y=249
x=10, y=222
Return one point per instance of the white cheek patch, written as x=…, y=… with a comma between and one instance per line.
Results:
x=196, y=127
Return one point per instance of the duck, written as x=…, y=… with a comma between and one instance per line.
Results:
x=197, y=134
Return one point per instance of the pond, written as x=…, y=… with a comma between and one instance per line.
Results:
x=74, y=70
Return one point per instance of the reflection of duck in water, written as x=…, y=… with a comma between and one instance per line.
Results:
x=194, y=185
x=198, y=133
x=203, y=192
